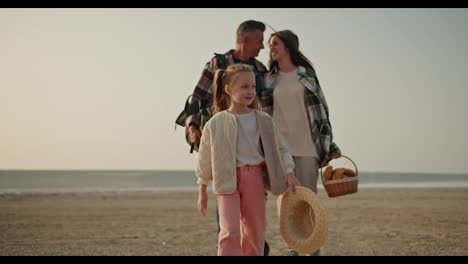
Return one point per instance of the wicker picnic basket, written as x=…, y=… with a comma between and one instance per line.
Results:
x=340, y=187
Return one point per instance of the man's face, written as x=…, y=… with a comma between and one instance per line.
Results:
x=253, y=42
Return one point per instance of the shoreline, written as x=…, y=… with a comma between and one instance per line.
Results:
x=375, y=186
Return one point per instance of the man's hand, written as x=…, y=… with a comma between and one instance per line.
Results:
x=293, y=182
x=194, y=135
x=202, y=200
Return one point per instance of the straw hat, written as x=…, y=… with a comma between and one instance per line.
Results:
x=303, y=220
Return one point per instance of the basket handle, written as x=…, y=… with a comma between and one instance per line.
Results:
x=327, y=160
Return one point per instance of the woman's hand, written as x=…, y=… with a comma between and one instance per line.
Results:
x=202, y=200
x=330, y=158
x=292, y=182
x=334, y=156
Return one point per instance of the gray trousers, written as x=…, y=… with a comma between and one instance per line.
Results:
x=307, y=171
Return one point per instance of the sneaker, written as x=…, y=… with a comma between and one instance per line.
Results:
x=315, y=254
x=266, y=249
x=293, y=253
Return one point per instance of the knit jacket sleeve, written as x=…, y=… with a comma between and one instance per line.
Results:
x=204, y=166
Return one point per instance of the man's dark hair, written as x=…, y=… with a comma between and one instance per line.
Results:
x=248, y=26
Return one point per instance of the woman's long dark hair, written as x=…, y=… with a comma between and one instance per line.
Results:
x=222, y=100
x=291, y=41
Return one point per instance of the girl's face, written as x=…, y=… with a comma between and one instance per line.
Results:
x=277, y=49
x=242, y=89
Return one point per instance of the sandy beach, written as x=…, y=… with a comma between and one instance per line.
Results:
x=371, y=222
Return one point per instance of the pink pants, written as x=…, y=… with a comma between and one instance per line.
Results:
x=244, y=208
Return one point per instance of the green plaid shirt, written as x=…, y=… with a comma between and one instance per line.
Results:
x=317, y=108
x=204, y=90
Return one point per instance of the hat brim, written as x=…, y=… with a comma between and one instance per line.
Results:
x=303, y=220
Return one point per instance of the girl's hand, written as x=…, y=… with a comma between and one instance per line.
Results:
x=202, y=201
x=293, y=182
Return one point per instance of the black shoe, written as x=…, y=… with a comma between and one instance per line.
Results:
x=266, y=249
x=316, y=253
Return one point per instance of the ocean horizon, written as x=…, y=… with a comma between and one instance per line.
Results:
x=65, y=181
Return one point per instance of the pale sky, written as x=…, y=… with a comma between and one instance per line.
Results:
x=101, y=88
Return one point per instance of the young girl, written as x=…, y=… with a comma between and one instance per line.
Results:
x=242, y=151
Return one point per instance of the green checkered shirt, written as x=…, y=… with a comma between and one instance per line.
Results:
x=317, y=110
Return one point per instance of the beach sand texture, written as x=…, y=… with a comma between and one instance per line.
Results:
x=370, y=222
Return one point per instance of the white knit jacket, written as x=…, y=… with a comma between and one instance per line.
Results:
x=217, y=154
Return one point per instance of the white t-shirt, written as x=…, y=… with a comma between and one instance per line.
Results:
x=289, y=114
x=248, y=140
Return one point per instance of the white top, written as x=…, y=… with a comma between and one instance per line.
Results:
x=248, y=150
x=217, y=153
x=289, y=114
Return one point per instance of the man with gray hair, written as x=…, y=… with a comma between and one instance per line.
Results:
x=249, y=42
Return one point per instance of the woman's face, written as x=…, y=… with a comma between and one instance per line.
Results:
x=277, y=48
